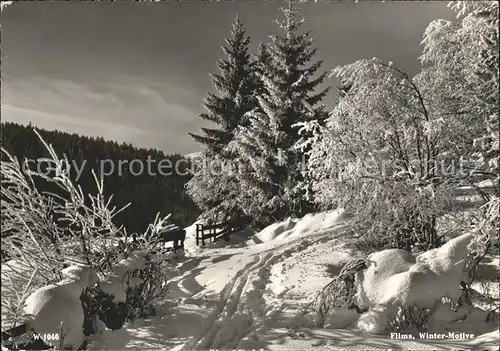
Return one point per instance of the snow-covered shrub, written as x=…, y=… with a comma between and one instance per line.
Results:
x=214, y=187
x=28, y=341
x=338, y=294
x=100, y=307
x=147, y=287
x=409, y=319
x=461, y=76
x=135, y=284
x=437, y=130
x=149, y=271
x=44, y=231
x=395, y=280
x=488, y=228
x=124, y=297
x=487, y=237
x=56, y=309
x=398, y=215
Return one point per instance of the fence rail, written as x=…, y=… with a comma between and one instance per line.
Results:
x=213, y=232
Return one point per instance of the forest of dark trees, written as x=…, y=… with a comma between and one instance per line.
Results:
x=147, y=193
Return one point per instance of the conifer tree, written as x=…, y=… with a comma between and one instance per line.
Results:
x=272, y=178
x=235, y=85
x=261, y=61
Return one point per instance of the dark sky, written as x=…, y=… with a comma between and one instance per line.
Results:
x=138, y=72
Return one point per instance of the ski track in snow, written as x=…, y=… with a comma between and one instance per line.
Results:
x=224, y=313
x=242, y=313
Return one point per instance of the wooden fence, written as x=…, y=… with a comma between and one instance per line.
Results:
x=213, y=232
x=174, y=234
x=177, y=236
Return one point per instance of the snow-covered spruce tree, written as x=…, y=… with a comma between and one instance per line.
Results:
x=270, y=176
x=262, y=59
x=211, y=188
x=235, y=86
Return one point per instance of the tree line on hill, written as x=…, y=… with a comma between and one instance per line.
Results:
x=148, y=193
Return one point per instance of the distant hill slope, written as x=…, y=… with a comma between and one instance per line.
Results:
x=149, y=193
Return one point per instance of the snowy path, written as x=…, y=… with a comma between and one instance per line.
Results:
x=245, y=298
x=245, y=305
x=224, y=300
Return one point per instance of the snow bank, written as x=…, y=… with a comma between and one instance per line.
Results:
x=283, y=230
x=314, y=222
x=443, y=258
x=272, y=231
x=394, y=278
x=56, y=303
x=239, y=238
x=292, y=228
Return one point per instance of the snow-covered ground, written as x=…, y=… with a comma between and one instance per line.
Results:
x=246, y=295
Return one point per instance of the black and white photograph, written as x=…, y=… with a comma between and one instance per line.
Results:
x=250, y=175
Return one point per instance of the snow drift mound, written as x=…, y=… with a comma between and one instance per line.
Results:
x=239, y=238
x=295, y=228
x=288, y=228
x=394, y=278
x=315, y=222
x=272, y=231
x=57, y=307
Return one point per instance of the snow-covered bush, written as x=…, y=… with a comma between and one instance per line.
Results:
x=214, y=187
x=396, y=280
x=462, y=78
x=125, y=296
x=392, y=138
x=43, y=232
x=136, y=283
x=384, y=157
x=338, y=294
x=409, y=319
x=56, y=309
